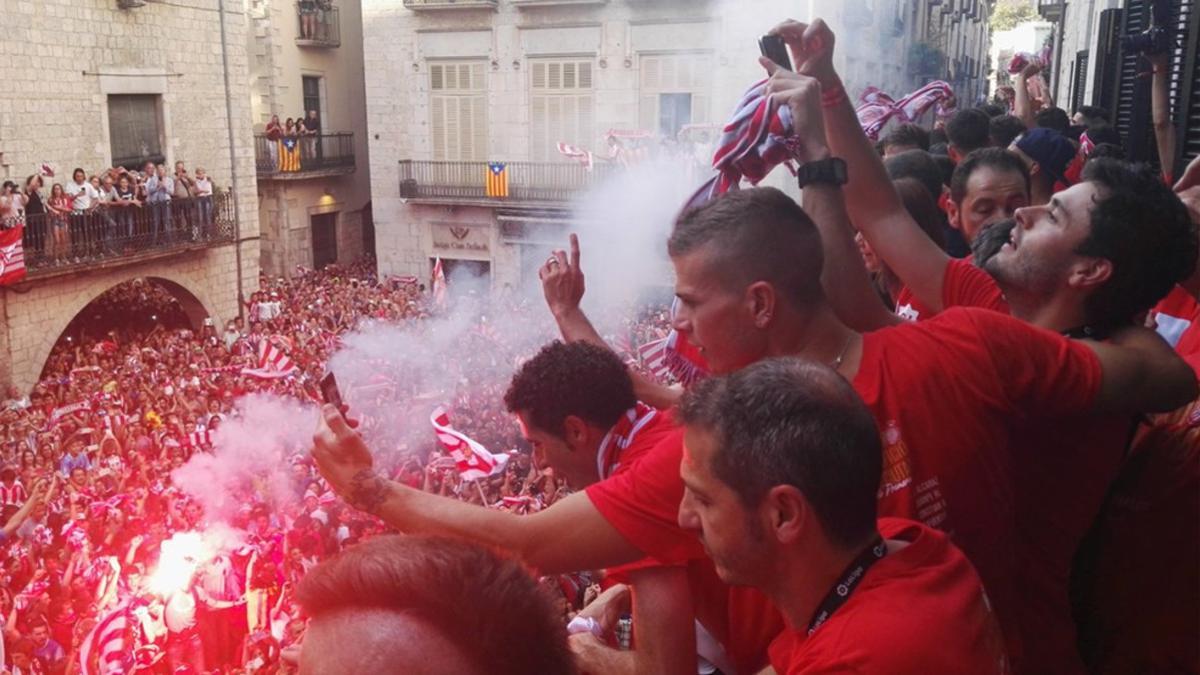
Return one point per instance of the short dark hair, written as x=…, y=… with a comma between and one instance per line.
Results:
x=512, y=627
x=996, y=159
x=1093, y=115
x=1005, y=129
x=938, y=135
x=908, y=134
x=795, y=422
x=991, y=109
x=1141, y=227
x=758, y=234
x=1053, y=118
x=918, y=165
x=576, y=378
x=968, y=130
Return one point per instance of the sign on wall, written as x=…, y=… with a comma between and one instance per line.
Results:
x=457, y=241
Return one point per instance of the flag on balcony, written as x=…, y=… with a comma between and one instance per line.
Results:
x=289, y=154
x=497, y=180
x=12, y=256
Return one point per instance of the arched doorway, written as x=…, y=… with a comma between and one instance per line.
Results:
x=130, y=308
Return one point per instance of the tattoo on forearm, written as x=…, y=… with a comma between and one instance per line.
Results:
x=368, y=491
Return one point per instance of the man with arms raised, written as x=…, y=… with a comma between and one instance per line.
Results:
x=781, y=463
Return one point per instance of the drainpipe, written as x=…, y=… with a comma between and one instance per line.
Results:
x=237, y=217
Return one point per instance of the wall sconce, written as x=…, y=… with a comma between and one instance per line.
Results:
x=603, y=63
x=628, y=62
x=416, y=67
x=516, y=64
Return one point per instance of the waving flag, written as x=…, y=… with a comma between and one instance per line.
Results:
x=470, y=457
x=653, y=356
x=273, y=361
x=438, y=287
x=578, y=154
x=12, y=256
x=497, y=180
x=104, y=651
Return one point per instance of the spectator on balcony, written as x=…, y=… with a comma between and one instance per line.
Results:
x=35, y=217
x=181, y=198
x=202, y=189
x=308, y=19
x=312, y=125
x=60, y=206
x=12, y=205
x=274, y=133
x=289, y=148
x=107, y=227
x=125, y=206
x=159, y=188
x=85, y=200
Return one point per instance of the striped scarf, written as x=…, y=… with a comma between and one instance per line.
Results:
x=620, y=437
x=876, y=108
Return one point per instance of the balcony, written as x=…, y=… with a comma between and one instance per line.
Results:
x=433, y=5
x=529, y=183
x=111, y=236
x=1050, y=10
x=318, y=25
x=315, y=156
x=556, y=3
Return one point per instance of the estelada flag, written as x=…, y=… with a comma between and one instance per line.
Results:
x=289, y=155
x=497, y=180
x=12, y=256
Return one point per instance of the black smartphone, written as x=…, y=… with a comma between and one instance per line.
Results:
x=329, y=390
x=774, y=48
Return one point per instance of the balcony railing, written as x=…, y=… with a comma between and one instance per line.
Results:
x=304, y=157
x=527, y=181
x=1050, y=10
x=420, y=5
x=108, y=234
x=319, y=25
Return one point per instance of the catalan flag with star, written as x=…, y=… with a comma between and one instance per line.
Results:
x=497, y=180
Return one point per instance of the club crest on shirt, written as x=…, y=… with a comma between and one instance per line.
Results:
x=897, y=470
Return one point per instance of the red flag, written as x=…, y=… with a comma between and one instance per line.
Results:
x=438, y=287
x=472, y=459
x=12, y=256
x=104, y=651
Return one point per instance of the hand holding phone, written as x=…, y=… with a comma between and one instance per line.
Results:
x=773, y=47
x=329, y=391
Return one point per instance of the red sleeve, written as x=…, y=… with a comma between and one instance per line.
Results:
x=1044, y=374
x=965, y=285
x=643, y=503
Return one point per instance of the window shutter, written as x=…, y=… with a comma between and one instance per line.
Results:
x=561, y=106
x=458, y=111
x=437, y=126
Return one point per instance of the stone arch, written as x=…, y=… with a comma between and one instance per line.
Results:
x=194, y=307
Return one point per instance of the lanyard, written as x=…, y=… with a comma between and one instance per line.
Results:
x=854, y=573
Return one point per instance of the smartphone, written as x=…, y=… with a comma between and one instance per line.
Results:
x=329, y=390
x=774, y=48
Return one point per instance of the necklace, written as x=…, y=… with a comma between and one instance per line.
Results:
x=837, y=363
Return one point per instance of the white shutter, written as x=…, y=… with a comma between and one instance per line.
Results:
x=674, y=74
x=561, y=106
x=437, y=125
x=458, y=110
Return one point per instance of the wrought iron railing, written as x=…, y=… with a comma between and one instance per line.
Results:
x=526, y=181
x=319, y=24
x=449, y=4
x=56, y=241
x=301, y=154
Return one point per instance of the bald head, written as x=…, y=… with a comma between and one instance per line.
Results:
x=795, y=422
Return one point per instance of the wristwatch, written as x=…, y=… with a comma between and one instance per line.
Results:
x=829, y=171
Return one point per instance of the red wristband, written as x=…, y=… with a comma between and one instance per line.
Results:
x=833, y=96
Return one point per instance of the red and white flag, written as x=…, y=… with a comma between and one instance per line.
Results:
x=578, y=154
x=653, y=356
x=273, y=361
x=104, y=651
x=470, y=457
x=12, y=256
x=438, y=287
x=200, y=439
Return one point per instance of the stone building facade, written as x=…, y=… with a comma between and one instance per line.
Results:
x=458, y=88
x=91, y=84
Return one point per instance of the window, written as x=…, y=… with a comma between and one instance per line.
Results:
x=561, y=107
x=134, y=130
x=458, y=110
x=311, y=85
x=674, y=91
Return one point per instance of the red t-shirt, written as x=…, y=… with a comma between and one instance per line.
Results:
x=921, y=609
x=946, y=394
x=1178, y=319
x=964, y=285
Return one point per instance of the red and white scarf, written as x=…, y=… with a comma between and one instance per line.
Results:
x=620, y=437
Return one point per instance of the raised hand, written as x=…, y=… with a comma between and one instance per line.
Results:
x=346, y=463
x=802, y=94
x=562, y=280
x=812, y=46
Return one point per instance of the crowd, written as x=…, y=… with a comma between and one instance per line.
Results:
x=112, y=212
x=294, y=143
x=992, y=470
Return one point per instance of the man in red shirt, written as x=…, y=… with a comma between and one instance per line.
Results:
x=781, y=465
x=1085, y=264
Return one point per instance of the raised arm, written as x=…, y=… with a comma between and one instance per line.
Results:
x=1022, y=103
x=1160, y=107
x=876, y=209
x=844, y=276
x=567, y=537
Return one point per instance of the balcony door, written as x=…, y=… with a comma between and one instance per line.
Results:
x=324, y=239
